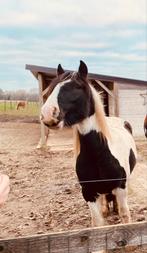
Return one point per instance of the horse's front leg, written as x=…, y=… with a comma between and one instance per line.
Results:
x=123, y=209
x=44, y=136
x=105, y=205
x=97, y=219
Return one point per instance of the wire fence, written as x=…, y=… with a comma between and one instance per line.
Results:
x=58, y=185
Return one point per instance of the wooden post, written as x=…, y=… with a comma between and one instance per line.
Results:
x=116, y=104
x=105, y=88
x=42, y=142
x=11, y=104
x=5, y=105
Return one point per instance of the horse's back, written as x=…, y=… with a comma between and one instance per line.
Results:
x=120, y=130
x=115, y=122
x=122, y=144
x=21, y=104
x=119, y=124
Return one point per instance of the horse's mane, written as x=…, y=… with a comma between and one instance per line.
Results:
x=100, y=119
x=100, y=114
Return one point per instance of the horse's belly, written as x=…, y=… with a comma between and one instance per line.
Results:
x=99, y=178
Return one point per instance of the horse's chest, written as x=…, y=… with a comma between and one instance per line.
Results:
x=101, y=165
x=97, y=169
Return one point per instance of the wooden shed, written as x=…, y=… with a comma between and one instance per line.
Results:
x=123, y=97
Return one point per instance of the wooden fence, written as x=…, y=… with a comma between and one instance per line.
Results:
x=7, y=105
x=80, y=241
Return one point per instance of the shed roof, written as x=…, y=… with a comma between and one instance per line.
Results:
x=50, y=73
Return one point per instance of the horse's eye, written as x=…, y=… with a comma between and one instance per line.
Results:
x=54, y=114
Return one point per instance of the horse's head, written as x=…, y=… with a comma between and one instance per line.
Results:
x=69, y=98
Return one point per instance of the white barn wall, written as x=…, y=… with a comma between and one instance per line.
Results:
x=132, y=107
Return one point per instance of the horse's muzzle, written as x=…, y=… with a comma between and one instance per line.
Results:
x=53, y=122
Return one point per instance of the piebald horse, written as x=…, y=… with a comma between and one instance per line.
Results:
x=105, y=150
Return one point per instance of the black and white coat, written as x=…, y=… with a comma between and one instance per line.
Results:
x=105, y=149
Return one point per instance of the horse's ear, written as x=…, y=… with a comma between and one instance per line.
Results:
x=83, y=70
x=60, y=70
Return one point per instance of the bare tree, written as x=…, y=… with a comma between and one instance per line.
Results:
x=1, y=94
x=31, y=95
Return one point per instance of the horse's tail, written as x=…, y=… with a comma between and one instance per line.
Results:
x=145, y=126
x=17, y=106
x=128, y=126
x=145, y=132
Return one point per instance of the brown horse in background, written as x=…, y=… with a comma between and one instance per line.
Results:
x=145, y=126
x=22, y=104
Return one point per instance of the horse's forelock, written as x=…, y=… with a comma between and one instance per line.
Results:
x=65, y=75
x=77, y=78
x=57, y=80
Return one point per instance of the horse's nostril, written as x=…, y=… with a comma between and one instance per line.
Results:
x=59, y=118
x=47, y=125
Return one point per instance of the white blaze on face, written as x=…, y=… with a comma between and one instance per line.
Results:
x=51, y=104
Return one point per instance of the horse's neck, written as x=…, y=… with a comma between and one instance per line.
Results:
x=92, y=143
x=88, y=138
x=83, y=128
x=88, y=125
x=96, y=122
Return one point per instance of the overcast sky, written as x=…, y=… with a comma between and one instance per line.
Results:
x=109, y=35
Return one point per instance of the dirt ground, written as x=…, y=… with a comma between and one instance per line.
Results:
x=45, y=195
